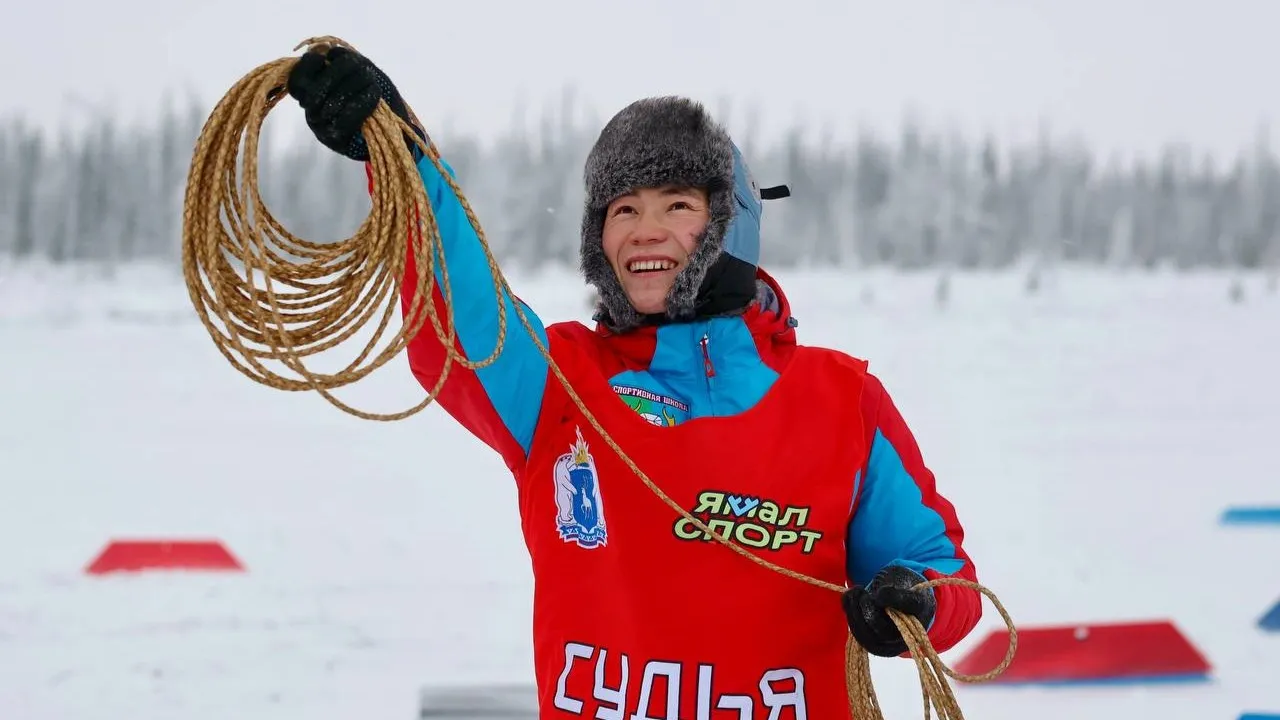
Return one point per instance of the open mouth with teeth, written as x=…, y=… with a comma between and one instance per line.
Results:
x=641, y=267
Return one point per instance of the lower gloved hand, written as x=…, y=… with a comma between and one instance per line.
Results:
x=866, y=609
x=340, y=89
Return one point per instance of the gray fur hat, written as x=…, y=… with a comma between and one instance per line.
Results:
x=653, y=142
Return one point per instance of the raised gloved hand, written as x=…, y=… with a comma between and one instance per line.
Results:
x=866, y=609
x=338, y=90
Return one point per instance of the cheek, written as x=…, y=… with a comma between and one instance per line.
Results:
x=689, y=237
x=610, y=243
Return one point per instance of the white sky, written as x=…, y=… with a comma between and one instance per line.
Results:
x=1127, y=75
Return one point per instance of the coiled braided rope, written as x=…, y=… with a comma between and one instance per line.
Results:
x=316, y=296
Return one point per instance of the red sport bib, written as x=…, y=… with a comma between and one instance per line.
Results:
x=637, y=614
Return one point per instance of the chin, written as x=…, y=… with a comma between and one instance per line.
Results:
x=648, y=306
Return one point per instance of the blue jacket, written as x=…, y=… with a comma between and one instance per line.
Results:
x=662, y=373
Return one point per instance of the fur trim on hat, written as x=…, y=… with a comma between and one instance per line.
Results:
x=650, y=143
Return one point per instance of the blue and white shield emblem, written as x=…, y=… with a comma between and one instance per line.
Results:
x=579, y=510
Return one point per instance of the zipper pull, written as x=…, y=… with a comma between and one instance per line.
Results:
x=706, y=356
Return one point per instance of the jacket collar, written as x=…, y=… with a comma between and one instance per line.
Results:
x=768, y=318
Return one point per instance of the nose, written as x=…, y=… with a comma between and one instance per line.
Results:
x=648, y=229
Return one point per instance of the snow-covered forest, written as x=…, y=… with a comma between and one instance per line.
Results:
x=919, y=199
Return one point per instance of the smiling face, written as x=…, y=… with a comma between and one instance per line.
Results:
x=648, y=237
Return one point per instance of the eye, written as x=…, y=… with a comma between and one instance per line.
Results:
x=680, y=205
x=621, y=209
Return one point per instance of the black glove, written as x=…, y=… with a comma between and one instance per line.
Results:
x=338, y=91
x=865, y=609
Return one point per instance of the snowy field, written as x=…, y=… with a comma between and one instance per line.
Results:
x=1089, y=436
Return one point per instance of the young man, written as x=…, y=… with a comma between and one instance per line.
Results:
x=795, y=452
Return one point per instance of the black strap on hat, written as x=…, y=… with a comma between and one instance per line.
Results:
x=777, y=192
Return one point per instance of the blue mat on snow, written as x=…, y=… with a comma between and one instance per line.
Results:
x=1271, y=621
x=1251, y=516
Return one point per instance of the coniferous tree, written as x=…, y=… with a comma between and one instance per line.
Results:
x=109, y=194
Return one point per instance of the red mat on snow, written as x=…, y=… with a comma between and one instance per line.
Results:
x=1131, y=652
x=144, y=555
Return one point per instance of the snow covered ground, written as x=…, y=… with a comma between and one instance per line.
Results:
x=1089, y=436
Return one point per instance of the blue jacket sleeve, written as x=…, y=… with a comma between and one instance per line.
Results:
x=498, y=403
x=900, y=518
